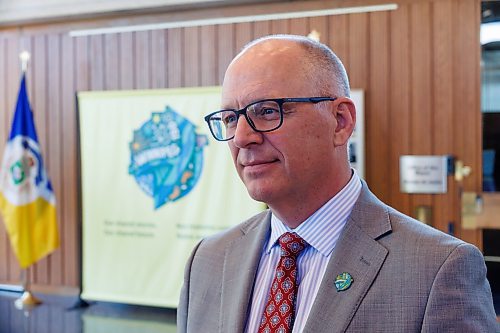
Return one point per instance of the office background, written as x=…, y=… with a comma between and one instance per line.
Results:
x=418, y=65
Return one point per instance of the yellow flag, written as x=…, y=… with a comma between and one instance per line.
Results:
x=27, y=201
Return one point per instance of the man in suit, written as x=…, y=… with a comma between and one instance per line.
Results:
x=327, y=256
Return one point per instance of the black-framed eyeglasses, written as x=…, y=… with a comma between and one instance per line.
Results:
x=263, y=116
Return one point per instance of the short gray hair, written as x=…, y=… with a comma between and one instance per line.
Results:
x=325, y=68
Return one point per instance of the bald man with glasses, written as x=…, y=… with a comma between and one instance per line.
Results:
x=327, y=256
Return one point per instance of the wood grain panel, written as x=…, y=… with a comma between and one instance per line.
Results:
x=191, y=57
x=467, y=122
x=421, y=94
x=111, y=62
x=174, y=58
x=377, y=119
x=468, y=28
x=280, y=27
x=443, y=105
x=358, y=52
x=82, y=64
x=142, y=56
x=96, y=59
x=399, y=102
x=54, y=164
x=158, y=56
x=338, y=37
x=126, y=60
x=225, y=49
x=39, y=105
x=261, y=29
x=243, y=35
x=299, y=26
x=208, y=55
x=69, y=201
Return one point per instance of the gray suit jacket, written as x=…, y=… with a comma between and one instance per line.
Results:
x=408, y=277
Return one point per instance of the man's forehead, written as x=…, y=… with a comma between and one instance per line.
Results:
x=263, y=71
x=267, y=56
x=240, y=92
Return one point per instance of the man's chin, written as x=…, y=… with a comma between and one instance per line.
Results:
x=261, y=193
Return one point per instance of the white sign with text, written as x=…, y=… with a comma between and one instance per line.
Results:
x=423, y=174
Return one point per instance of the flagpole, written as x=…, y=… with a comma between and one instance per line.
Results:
x=27, y=300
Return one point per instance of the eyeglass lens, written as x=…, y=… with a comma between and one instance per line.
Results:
x=262, y=116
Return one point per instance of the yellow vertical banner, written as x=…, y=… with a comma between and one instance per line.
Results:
x=154, y=183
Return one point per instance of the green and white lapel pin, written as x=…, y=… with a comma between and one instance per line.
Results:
x=343, y=281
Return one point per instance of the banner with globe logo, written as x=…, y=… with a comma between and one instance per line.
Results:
x=153, y=184
x=166, y=156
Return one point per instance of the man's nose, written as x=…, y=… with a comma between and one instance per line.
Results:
x=244, y=134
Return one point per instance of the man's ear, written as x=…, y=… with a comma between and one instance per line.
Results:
x=345, y=114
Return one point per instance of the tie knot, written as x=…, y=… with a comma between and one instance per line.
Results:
x=291, y=244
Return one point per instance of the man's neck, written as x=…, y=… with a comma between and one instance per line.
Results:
x=294, y=211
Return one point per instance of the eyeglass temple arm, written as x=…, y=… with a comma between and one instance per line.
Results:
x=322, y=99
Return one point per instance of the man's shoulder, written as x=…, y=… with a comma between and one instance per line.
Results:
x=413, y=233
x=405, y=223
x=394, y=227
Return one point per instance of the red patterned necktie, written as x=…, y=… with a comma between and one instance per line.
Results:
x=279, y=313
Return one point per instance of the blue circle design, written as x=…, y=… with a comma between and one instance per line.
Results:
x=166, y=156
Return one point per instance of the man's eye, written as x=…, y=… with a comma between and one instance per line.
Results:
x=229, y=120
x=268, y=111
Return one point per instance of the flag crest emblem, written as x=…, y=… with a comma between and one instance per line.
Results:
x=23, y=175
x=166, y=156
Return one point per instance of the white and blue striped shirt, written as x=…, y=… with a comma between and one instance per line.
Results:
x=321, y=231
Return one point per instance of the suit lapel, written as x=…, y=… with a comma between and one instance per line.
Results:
x=358, y=253
x=241, y=262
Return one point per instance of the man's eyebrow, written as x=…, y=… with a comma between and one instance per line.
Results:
x=247, y=101
x=224, y=107
x=233, y=107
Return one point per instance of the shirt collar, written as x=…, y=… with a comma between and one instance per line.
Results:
x=322, y=229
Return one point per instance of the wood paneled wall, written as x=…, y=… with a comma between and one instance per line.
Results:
x=418, y=66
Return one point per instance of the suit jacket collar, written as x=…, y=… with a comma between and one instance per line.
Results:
x=370, y=214
x=242, y=259
x=357, y=253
